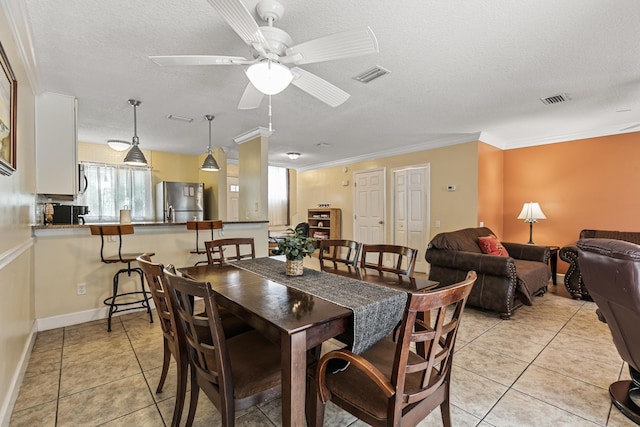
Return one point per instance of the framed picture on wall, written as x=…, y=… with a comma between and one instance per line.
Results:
x=8, y=115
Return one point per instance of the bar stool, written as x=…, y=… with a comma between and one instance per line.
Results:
x=125, y=258
x=203, y=225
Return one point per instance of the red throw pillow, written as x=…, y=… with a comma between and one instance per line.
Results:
x=492, y=246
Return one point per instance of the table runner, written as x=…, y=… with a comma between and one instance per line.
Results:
x=376, y=309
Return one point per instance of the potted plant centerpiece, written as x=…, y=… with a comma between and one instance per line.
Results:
x=295, y=247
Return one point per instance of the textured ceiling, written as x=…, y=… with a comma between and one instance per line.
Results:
x=458, y=69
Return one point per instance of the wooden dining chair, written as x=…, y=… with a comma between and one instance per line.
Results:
x=201, y=226
x=403, y=258
x=390, y=384
x=172, y=335
x=235, y=373
x=122, y=301
x=233, y=249
x=338, y=253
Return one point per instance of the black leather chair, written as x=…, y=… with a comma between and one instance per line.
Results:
x=304, y=227
x=611, y=273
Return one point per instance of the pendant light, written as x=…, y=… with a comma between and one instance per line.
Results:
x=135, y=157
x=209, y=163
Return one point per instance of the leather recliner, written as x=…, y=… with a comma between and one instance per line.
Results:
x=611, y=273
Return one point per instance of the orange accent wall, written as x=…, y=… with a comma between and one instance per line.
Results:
x=590, y=183
x=490, y=187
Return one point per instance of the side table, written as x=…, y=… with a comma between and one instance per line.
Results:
x=553, y=263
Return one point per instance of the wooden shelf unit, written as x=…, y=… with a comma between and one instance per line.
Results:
x=324, y=221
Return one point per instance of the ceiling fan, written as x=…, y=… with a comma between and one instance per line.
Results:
x=272, y=48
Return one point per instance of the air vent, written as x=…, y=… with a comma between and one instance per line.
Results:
x=179, y=118
x=371, y=74
x=555, y=99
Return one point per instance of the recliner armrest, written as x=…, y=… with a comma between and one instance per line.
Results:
x=480, y=263
x=527, y=252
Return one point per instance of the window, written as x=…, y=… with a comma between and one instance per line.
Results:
x=114, y=187
x=278, y=194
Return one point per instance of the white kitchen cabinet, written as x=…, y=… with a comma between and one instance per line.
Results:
x=56, y=144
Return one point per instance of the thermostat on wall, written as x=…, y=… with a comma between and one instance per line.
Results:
x=451, y=188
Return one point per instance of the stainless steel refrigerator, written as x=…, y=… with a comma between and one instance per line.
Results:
x=179, y=201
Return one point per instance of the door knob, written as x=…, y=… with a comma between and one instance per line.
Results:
x=380, y=222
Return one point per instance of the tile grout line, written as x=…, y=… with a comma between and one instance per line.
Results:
x=135, y=353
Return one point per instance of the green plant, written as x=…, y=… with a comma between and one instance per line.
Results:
x=295, y=246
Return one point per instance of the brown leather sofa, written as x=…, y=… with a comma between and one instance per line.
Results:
x=610, y=269
x=504, y=283
x=572, y=278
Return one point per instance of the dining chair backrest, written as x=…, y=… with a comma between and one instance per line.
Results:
x=404, y=383
x=211, y=354
x=173, y=341
x=303, y=227
x=338, y=252
x=402, y=258
x=233, y=249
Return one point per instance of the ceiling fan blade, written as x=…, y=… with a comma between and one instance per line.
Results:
x=168, y=60
x=251, y=98
x=335, y=46
x=630, y=127
x=240, y=20
x=318, y=88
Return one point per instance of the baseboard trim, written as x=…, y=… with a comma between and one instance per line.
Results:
x=14, y=387
x=69, y=319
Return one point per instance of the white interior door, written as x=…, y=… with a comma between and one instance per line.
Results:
x=369, y=206
x=233, y=198
x=411, y=210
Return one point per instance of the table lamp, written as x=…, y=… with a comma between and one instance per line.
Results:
x=531, y=213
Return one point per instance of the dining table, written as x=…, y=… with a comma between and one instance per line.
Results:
x=300, y=313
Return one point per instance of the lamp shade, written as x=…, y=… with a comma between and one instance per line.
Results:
x=210, y=164
x=118, y=145
x=531, y=212
x=135, y=157
x=269, y=77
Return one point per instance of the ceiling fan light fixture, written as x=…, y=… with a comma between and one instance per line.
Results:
x=209, y=164
x=118, y=144
x=269, y=77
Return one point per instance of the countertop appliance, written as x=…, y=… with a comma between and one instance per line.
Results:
x=179, y=201
x=69, y=214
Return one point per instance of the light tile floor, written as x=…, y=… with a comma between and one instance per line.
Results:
x=550, y=365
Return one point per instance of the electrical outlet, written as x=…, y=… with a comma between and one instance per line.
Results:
x=111, y=239
x=437, y=223
x=81, y=288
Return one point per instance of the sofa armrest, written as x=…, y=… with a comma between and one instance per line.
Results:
x=569, y=253
x=466, y=261
x=527, y=252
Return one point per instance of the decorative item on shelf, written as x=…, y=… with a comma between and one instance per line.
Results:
x=209, y=164
x=324, y=205
x=531, y=212
x=135, y=157
x=295, y=247
x=320, y=224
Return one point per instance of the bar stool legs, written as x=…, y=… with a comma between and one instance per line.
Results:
x=143, y=302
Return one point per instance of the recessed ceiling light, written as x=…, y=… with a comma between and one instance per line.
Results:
x=179, y=118
x=293, y=156
x=323, y=145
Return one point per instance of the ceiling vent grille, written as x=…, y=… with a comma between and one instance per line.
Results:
x=371, y=74
x=555, y=99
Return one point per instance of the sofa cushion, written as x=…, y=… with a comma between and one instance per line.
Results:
x=492, y=246
x=461, y=240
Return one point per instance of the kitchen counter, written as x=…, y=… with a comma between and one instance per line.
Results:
x=136, y=224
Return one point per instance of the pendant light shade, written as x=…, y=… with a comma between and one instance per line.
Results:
x=209, y=164
x=269, y=77
x=135, y=157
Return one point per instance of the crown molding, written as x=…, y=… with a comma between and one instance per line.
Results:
x=16, y=13
x=253, y=134
x=437, y=143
